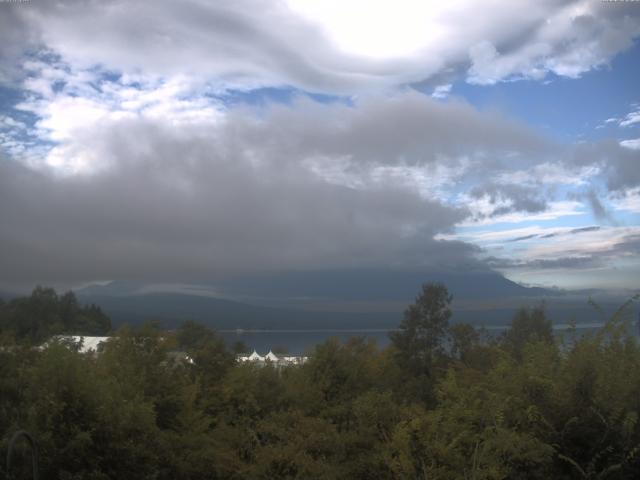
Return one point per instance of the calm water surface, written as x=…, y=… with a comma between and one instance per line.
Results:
x=298, y=342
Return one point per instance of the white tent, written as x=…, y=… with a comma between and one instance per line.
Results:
x=254, y=357
x=271, y=357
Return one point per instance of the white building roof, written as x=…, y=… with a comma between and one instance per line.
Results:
x=272, y=358
x=87, y=343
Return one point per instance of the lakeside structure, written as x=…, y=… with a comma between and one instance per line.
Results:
x=94, y=345
x=272, y=359
x=84, y=343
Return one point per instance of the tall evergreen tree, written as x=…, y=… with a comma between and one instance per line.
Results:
x=420, y=339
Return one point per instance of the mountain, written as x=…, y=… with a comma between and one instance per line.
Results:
x=379, y=285
x=172, y=308
x=328, y=300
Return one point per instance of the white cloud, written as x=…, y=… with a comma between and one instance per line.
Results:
x=330, y=45
x=441, y=91
x=70, y=104
x=376, y=29
x=489, y=237
x=630, y=119
x=407, y=130
x=629, y=202
x=549, y=173
x=7, y=122
x=488, y=66
x=588, y=257
x=633, y=143
x=569, y=39
x=595, y=242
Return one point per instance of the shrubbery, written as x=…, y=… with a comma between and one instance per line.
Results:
x=519, y=407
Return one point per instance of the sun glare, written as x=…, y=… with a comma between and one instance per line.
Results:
x=376, y=29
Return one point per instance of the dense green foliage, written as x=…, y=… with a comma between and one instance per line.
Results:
x=36, y=318
x=522, y=406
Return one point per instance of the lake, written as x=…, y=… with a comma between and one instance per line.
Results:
x=298, y=342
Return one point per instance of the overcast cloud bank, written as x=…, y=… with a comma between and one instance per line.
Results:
x=127, y=158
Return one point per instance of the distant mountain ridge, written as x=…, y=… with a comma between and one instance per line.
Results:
x=172, y=309
x=382, y=284
x=130, y=302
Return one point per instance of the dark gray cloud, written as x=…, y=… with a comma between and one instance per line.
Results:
x=548, y=235
x=619, y=165
x=407, y=129
x=241, y=196
x=565, y=263
x=613, y=173
x=574, y=231
x=593, y=228
x=137, y=221
x=592, y=199
x=571, y=263
x=598, y=209
x=296, y=187
x=291, y=188
x=15, y=38
x=509, y=197
x=524, y=237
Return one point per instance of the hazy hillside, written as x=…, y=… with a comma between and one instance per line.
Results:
x=380, y=285
x=171, y=309
x=481, y=299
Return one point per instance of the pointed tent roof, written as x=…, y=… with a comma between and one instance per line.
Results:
x=271, y=356
x=255, y=356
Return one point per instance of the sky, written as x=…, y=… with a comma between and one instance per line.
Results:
x=191, y=142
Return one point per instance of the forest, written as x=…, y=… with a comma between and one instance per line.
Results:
x=442, y=401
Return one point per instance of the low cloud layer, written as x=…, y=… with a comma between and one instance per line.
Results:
x=235, y=195
x=306, y=186
x=157, y=219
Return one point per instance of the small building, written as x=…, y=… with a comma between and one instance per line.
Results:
x=95, y=345
x=178, y=357
x=85, y=344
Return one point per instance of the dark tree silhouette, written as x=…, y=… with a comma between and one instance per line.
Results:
x=420, y=339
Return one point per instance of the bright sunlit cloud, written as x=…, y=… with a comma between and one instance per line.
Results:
x=377, y=28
